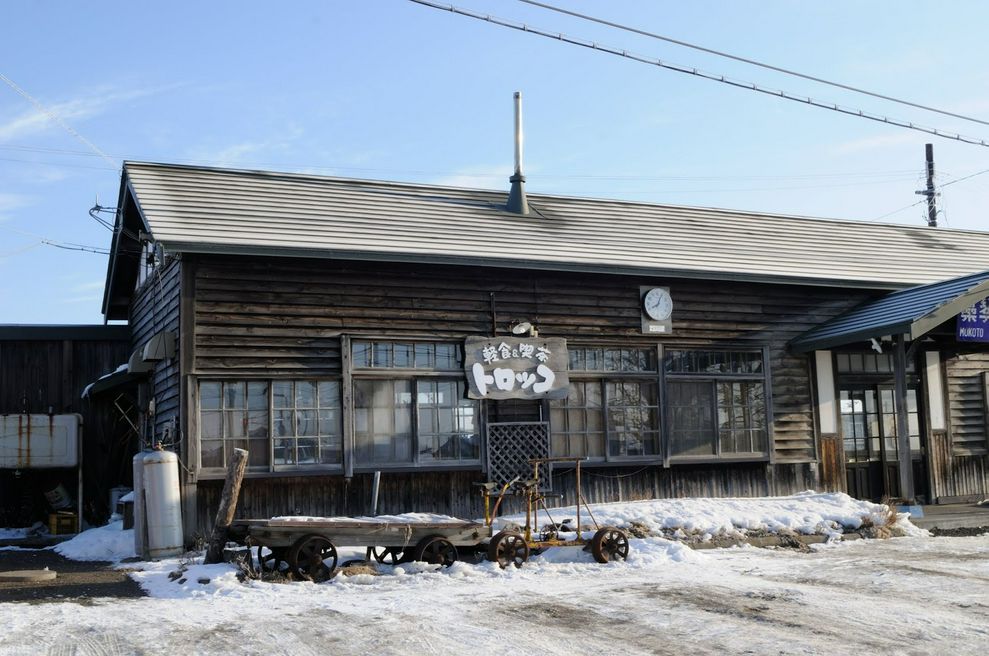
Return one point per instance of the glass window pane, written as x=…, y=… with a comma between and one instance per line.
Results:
x=257, y=395
x=305, y=423
x=283, y=423
x=362, y=355
x=329, y=394
x=257, y=453
x=330, y=450
x=425, y=355
x=305, y=394
x=235, y=423
x=211, y=424
x=282, y=394
x=235, y=395
x=284, y=452
x=382, y=355
x=257, y=423
x=308, y=451
x=382, y=412
x=211, y=453
x=403, y=356
x=447, y=356
x=209, y=396
x=691, y=411
x=330, y=422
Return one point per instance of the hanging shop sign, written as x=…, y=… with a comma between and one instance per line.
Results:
x=516, y=368
x=973, y=323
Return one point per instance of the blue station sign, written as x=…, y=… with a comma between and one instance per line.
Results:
x=973, y=323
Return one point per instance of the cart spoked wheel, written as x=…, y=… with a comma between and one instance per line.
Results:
x=508, y=548
x=386, y=555
x=313, y=558
x=609, y=544
x=270, y=559
x=435, y=550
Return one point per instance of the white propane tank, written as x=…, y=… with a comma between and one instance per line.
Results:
x=140, y=522
x=163, y=507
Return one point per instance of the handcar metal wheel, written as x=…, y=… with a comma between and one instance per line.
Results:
x=313, y=558
x=508, y=548
x=386, y=555
x=609, y=544
x=270, y=559
x=436, y=550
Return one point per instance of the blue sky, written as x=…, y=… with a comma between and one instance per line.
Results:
x=392, y=90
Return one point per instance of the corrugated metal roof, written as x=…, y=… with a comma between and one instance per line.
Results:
x=913, y=311
x=197, y=209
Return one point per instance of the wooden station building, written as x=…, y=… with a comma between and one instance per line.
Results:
x=335, y=328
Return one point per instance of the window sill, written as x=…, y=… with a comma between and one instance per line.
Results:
x=697, y=460
x=219, y=475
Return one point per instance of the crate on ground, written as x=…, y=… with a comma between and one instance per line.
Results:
x=63, y=522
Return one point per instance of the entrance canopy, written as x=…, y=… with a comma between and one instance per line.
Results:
x=911, y=312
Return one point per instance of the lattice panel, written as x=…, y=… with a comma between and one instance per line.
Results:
x=510, y=447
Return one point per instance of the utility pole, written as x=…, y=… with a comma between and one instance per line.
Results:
x=929, y=191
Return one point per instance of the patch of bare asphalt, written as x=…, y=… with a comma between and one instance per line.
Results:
x=608, y=626
x=762, y=606
x=81, y=582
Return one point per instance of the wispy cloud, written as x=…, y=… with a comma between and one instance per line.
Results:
x=32, y=121
x=11, y=202
x=255, y=151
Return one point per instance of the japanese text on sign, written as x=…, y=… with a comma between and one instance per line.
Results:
x=973, y=323
x=516, y=368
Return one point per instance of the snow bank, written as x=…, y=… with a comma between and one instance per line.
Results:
x=108, y=542
x=14, y=533
x=404, y=518
x=806, y=513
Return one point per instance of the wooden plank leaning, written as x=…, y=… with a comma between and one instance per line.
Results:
x=228, y=507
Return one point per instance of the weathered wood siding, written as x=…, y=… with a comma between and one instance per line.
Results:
x=260, y=316
x=833, y=464
x=50, y=375
x=967, y=403
x=155, y=309
x=959, y=459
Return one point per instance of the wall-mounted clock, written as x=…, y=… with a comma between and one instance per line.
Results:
x=657, y=304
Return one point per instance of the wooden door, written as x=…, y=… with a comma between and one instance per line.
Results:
x=868, y=422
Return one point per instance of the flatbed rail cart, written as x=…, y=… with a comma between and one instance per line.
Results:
x=308, y=547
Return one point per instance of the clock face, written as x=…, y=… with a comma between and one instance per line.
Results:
x=658, y=304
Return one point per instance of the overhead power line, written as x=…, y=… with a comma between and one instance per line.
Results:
x=65, y=245
x=55, y=118
x=689, y=70
x=746, y=60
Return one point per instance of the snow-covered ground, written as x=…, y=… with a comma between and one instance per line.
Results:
x=907, y=595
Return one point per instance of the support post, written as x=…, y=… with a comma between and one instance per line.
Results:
x=228, y=507
x=375, y=486
x=902, y=420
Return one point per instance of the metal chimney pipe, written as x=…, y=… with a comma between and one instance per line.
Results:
x=517, y=201
x=518, y=133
